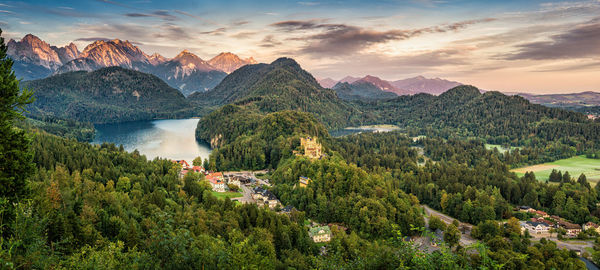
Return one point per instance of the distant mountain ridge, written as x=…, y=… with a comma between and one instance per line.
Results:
x=408, y=86
x=361, y=90
x=35, y=59
x=582, y=99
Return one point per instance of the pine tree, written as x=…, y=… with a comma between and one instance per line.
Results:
x=15, y=158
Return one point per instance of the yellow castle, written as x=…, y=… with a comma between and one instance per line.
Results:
x=312, y=148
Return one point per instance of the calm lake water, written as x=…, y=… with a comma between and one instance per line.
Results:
x=174, y=139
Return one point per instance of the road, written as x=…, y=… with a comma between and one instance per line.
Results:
x=247, y=195
x=465, y=239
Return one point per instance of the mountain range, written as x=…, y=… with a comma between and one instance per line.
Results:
x=35, y=59
x=408, y=86
x=361, y=91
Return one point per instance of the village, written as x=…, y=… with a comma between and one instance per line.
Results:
x=252, y=189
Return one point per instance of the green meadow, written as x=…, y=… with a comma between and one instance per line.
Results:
x=223, y=195
x=575, y=166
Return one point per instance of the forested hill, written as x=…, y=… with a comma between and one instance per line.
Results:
x=112, y=94
x=281, y=85
x=464, y=111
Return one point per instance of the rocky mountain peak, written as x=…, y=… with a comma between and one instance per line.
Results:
x=228, y=62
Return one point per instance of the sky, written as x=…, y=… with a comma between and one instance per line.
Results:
x=512, y=46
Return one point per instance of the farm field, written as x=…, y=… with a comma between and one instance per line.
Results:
x=575, y=166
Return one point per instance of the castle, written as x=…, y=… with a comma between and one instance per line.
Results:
x=312, y=148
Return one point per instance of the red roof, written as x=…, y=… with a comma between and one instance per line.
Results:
x=182, y=162
x=215, y=178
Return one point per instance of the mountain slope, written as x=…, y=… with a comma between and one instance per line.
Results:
x=188, y=72
x=229, y=62
x=327, y=82
x=383, y=85
x=281, y=85
x=106, y=95
x=421, y=84
x=360, y=91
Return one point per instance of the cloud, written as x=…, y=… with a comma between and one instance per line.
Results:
x=115, y=3
x=344, y=39
x=243, y=34
x=93, y=39
x=269, y=41
x=216, y=32
x=7, y=12
x=162, y=14
x=304, y=3
x=581, y=41
x=207, y=21
x=584, y=66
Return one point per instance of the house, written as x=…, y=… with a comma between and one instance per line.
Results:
x=524, y=208
x=197, y=169
x=572, y=229
x=312, y=148
x=303, y=181
x=270, y=200
x=217, y=181
x=182, y=162
x=541, y=214
x=535, y=227
x=258, y=193
x=287, y=210
x=264, y=197
x=543, y=220
x=320, y=234
x=234, y=181
x=591, y=226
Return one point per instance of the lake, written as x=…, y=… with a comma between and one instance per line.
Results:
x=173, y=139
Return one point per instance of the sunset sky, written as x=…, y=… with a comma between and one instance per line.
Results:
x=516, y=46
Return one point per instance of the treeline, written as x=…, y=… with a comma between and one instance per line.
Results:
x=66, y=128
x=466, y=181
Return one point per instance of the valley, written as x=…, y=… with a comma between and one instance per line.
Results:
x=139, y=161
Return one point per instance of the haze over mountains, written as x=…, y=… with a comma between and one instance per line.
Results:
x=35, y=59
x=408, y=86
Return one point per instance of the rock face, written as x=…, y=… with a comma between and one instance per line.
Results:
x=188, y=73
x=229, y=62
x=35, y=59
x=67, y=53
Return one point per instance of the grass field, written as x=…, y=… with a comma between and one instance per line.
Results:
x=501, y=149
x=223, y=195
x=575, y=166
